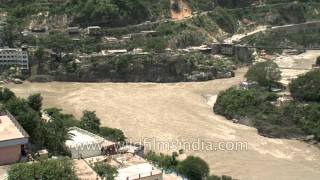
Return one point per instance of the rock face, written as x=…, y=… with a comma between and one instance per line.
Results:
x=150, y=68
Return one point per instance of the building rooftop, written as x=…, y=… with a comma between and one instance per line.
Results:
x=10, y=129
x=10, y=49
x=80, y=137
x=83, y=171
x=137, y=171
x=128, y=165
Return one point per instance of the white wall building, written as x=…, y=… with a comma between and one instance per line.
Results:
x=143, y=171
x=14, y=57
x=84, y=144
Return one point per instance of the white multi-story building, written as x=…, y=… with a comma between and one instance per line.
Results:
x=14, y=57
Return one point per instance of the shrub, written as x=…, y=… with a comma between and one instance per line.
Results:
x=193, y=168
x=264, y=73
x=45, y=169
x=90, y=122
x=105, y=170
x=112, y=134
x=318, y=61
x=306, y=87
x=166, y=162
x=226, y=21
x=236, y=103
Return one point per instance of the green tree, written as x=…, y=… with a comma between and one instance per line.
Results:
x=25, y=115
x=105, y=170
x=306, y=87
x=68, y=119
x=39, y=57
x=318, y=61
x=35, y=102
x=60, y=169
x=226, y=21
x=166, y=162
x=112, y=134
x=56, y=133
x=264, y=73
x=6, y=94
x=236, y=103
x=193, y=168
x=90, y=121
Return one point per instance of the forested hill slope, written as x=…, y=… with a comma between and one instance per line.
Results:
x=121, y=12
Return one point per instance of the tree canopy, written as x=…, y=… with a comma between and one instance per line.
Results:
x=112, y=134
x=105, y=170
x=193, y=168
x=60, y=169
x=35, y=102
x=318, y=61
x=90, y=122
x=264, y=73
x=306, y=87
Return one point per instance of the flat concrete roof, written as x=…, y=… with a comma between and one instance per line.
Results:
x=10, y=129
x=133, y=172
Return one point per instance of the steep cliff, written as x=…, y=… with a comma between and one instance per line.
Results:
x=149, y=68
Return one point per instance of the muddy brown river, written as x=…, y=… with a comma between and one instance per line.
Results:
x=184, y=110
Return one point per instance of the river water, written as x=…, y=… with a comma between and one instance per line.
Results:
x=166, y=112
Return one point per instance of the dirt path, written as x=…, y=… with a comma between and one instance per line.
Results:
x=180, y=110
x=239, y=37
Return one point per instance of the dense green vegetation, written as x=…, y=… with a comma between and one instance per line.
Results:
x=105, y=170
x=51, y=133
x=291, y=119
x=266, y=73
x=112, y=134
x=163, y=67
x=90, y=122
x=307, y=87
x=225, y=21
x=167, y=162
x=60, y=169
x=318, y=61
x=193, y=168
x=111, y=12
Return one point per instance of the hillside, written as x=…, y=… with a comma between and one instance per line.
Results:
x=153, y=27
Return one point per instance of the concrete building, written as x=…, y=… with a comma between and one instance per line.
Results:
x=144, y=171
x=129, y=166
x=73, y=30
x=14, y=57
x=84, y=144
x=93, y=30
x=13, y=138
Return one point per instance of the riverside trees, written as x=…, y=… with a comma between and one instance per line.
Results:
x=307, y=87
x=296, y=118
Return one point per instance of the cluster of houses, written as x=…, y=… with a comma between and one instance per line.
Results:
x=86, y=149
